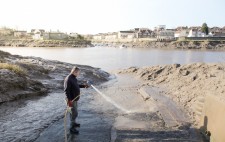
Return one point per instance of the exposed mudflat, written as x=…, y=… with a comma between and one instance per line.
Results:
x=186, y=85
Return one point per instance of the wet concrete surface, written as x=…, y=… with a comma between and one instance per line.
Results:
x=94, y=127
x=172, y=114
x=148, y=120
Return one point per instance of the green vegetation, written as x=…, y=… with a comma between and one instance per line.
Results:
x=15, y=68
x=205, y=28
x=80, y=37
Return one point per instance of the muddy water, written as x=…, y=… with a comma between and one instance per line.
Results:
x=114, y=58
x=25, y=119
x=40, y=119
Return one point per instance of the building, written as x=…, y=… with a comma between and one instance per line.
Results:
x=180, y=28
x=20, y=34
x=166, y=35
x=99, y=36
x=181, y=33
x=54, y=36
x=73, y=35
x=126, y=35
x=5, y=31
x=160, y=28
x=111, y=36
x=144, y=33
x=37, y=33
x=195, y=33
x=216, y=32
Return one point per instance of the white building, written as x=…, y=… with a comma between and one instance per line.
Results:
x=196, y=33
x=111, y=36
x=37, y=33
x=74, y=35
x=166, y=35
x=181, y=33
x=99, y=36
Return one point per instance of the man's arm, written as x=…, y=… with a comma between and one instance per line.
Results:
x=83, y=86
x=67, y=88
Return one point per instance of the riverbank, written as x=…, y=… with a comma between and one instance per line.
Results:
x=31, y=76
x=187, y=85
x=199, y=45
x=44, y=43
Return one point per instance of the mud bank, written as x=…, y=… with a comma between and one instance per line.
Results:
x=187, y=85
x=45, y=43
x=200, y=45
x=29, y=76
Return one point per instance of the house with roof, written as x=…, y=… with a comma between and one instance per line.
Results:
x=166, y=35
x=217, y=32
x=126, y=34
x=111, y=36
x=37, y=33
x=196, y=33
x=20, y=34
x=144, y=33
x=160, y=28
x=181, y=33
x=73, y=35
x=54, y=36
x=180, y=28
x=5, y=31
x=99, y=36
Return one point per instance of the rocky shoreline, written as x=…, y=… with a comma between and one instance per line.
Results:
x=199, y=45
x=45, y=43
x=32, y=76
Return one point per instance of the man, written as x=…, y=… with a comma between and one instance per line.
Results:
x=72, y=91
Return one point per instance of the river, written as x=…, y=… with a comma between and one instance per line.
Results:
x=109, y=58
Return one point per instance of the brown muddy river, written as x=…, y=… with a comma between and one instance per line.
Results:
x=110, y=58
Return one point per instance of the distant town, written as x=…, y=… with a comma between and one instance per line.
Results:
x=159, y=33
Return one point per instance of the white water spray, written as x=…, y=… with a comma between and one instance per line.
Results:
x=110, y=100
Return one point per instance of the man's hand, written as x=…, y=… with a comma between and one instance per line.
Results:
x=86, y=85
x=70, y=103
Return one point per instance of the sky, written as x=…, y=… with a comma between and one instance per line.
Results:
x=99, y=16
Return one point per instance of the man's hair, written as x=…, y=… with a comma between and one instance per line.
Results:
x=74, y=69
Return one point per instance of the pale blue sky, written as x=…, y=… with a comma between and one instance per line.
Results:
x=94, y=16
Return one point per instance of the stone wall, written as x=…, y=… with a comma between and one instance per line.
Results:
x=202, y=38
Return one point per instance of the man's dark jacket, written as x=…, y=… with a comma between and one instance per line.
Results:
x=72, y=88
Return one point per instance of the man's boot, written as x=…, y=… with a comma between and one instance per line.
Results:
x=74, y=131
x=76, y=124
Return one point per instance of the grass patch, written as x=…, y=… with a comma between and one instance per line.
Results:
x=3, y=53
x=15, y=68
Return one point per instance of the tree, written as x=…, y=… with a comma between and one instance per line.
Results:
x=80, y=37
x=205, y=28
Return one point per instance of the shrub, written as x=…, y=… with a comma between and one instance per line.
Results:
x=15, y=68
